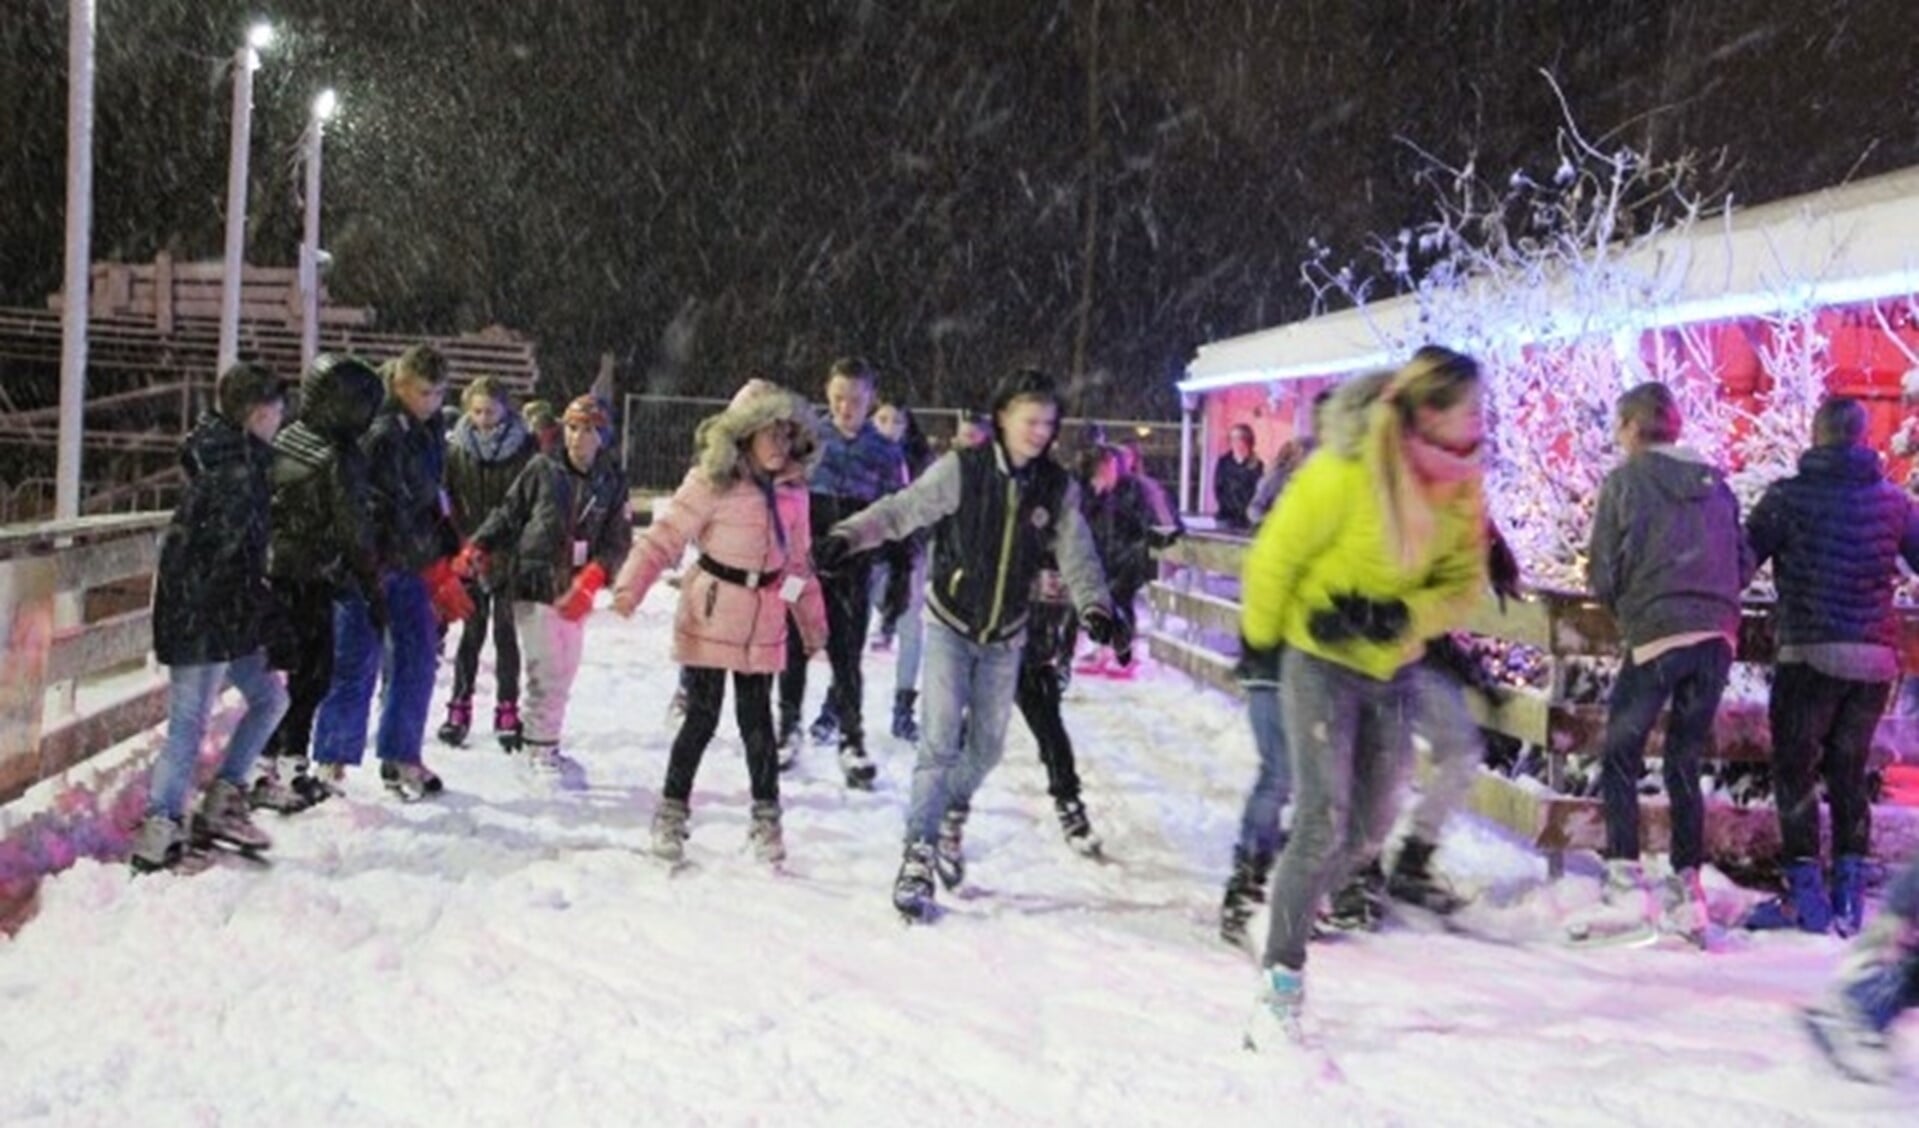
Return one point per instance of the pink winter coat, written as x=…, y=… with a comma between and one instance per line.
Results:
x=722, y=624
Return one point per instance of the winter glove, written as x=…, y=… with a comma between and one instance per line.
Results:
x=451, y=603
x=1163, y=538
x=1258, y=665
x=1100, y=626
x=578, y=599
x=1354, y=616
x=1386, y=621
x=830, y=553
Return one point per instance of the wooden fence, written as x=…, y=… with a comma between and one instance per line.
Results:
x=1195, y=628
x=69, y=690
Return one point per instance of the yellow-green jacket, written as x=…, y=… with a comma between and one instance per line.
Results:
x=1327, y=537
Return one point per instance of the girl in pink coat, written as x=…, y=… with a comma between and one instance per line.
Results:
x=744, y=505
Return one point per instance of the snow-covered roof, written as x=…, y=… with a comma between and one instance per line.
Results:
x=1847, y=244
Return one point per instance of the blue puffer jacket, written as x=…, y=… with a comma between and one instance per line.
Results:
x=1834, y=532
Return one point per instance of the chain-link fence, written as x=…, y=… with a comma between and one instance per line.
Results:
x=656, y=437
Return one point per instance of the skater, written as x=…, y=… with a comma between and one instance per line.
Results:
x=320, y=547
x=212, y=610
x=1835, y=532
x=1877, y=981
x=1370, y=552
x=856, y=467
x=414, y=543
x=1668, y=559
x=994, y=510
x=488, y=449
x=1121, y=520
x=744, y=504
x=1045, y=665
x=902, y=595
x=565, y=525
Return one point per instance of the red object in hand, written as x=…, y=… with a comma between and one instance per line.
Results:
x=451, y=603
x=471, y=562
x=578, y=599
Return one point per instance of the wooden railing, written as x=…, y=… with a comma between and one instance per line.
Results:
x=1195, y=629
x=75, y=631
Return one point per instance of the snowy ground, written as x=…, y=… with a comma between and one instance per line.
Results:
x=506, y=955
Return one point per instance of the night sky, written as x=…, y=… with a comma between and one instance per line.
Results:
x=703, y=189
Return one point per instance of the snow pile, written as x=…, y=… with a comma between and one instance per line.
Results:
x=506, y=955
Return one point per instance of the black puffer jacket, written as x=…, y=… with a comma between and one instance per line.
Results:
x=550, y=507
x=479, y=471
x=210, y=597
x=406, y=467
x=320, y=529
x=1835, y=532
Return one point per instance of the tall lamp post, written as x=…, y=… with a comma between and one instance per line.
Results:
x=245, y=61
x=324, y=107
x=73, y=326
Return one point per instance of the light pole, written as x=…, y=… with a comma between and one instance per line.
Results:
x=245, y=61
x=73, y=326
x=323, y=110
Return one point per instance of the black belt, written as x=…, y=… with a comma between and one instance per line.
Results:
x=749, y=580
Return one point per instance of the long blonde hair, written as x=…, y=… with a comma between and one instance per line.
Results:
x=1436, y=379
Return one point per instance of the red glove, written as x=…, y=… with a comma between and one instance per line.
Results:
x=470, y=564
x=451, y=603
x=578, y=599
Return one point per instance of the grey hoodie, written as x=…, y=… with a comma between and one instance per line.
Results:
x=1668, y=556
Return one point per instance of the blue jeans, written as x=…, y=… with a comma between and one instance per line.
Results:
x=1351, y=738
x=968, y=690
x=404, y=659
x=1273, y=786
x=1692, y=678
x=910, y=631
x=192, y=692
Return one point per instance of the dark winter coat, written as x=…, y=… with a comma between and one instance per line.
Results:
x=1667, y=555
x=1835, y=533
x=1234, y=484
x=320, y=531
x=479, y=471
x=210, y=596
x=549, y=508
x=852, y=473
x=406, y=467
x=1121, y=520
x=993, y=526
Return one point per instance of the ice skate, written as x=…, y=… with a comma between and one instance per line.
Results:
x=913, y=891
x=860, y=771
x=459, y=720
x=411, y=782
x=1625, y=913
x=949, y=851
x=227, y=819
x=670, y=831
x=764, y=834
x=507, y=729
x=1076, y=827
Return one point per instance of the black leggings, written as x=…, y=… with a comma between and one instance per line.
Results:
x=308, y=662
x=498, y=607
x=752, y=708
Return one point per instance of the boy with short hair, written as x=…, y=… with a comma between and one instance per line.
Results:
x=1669, y=560
x=857, y=467
x=212, y=611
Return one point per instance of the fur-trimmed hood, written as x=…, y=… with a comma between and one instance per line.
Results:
x=1346, y=414
x=722, y=438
